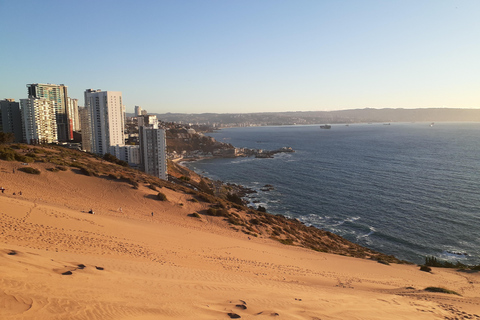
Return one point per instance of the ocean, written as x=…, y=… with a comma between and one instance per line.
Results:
x=407, y=189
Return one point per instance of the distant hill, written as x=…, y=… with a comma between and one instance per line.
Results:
x=317, y=117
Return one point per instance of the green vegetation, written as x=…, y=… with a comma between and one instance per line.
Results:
x=29, y=170
x=234, y=198
x=111, y=158
x=434, y=262
x=6, y=137
x=441, y=290
x=161, y=196
x=196, y=215
x=153, y=187
x=203, y=186
x=425, y=268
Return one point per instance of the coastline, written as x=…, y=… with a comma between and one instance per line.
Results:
x=333, y=194
x=129, y=264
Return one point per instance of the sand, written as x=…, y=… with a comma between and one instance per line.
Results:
x=59, y=262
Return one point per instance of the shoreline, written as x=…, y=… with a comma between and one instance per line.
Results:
x=173, y=264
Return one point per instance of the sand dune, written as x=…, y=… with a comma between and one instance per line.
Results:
x=59, y=262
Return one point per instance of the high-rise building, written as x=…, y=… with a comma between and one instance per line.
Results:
x=153, y=151
x=11, y=118
x=147, y=120
x=107, y=121
x=138, y=111
x=58, y=94
x=39, y=120
x=144, y=112
x=84, y=116
x=72, y=115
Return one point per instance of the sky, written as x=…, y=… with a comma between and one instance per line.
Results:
x=238, y=56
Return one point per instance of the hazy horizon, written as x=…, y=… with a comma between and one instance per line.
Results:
x=249, y=56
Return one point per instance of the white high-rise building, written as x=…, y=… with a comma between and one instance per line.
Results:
x=107, y=122
x=39, y=120
x=153, y=151
x=138, y=111
x=72, y=114
x=58, y=94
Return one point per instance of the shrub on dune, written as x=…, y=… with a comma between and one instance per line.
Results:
x=30, y=170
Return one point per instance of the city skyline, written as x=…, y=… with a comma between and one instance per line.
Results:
x=249, y=56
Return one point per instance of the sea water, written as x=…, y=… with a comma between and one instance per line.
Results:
x=407, y=189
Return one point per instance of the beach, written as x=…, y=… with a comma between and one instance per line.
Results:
x=139, y=258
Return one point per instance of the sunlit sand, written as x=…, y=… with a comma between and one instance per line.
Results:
x=59, y=262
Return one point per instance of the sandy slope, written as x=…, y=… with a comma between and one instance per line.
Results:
x=130, y=265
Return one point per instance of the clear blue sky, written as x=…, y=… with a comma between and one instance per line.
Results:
x=231, y=56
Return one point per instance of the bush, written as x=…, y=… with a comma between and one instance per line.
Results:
x=434, y=262
x=195, y=215
x=425, y=268
x=86, y=172
x=7, y=137
x=151, y=186
x=235, y=221
x=22, y=158
x=30, y=170
x=441, y=290
x=8, y=154
x=161, y=197
x=232, y=197
x=111, y=158
x=112, y=176
x=61, y=168
x=203, y=186
x=184, y=178
x=261, y=209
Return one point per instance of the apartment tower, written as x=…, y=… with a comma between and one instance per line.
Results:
x=106, y=117
x=39, y=120
x=11, y=118
x=138, y=111
x=57, y=94
x=153, y=151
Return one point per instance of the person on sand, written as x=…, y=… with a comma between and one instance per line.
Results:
x=152, y=214
x=13, y=170
x=3, y=189
x=91, y=211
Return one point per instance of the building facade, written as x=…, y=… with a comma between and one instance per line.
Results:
x=153, y=151
x=129, y=153
x=138, y=111
x=39, y=120
x=85, y=129
x=57, y=94
x=107, y=120
x=11, y=118
x=72, y=115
